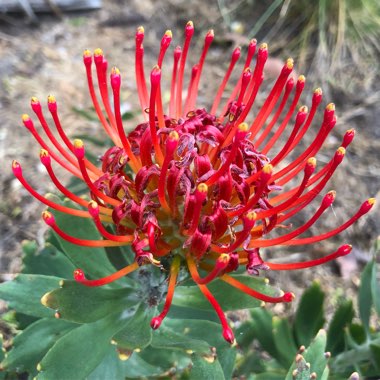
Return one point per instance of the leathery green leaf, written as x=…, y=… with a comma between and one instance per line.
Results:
x=24, y=293
x=113, y=368
x=245, y=334
x=325, y=374
x=47, y=260
x=137, y=333
x=267, y=376
x=263, y=330
x=79, y=303
x=210, y=332
x=375, y=287
x=365, y=295
x=169, y=339
x=79, y=352
x=180, y=312
x=309, y=317
x=30, y=346
x=203, y=369
x=284, y=341
x=228, y=297
x=315, y=354
x=341, y=319
x=166, y=360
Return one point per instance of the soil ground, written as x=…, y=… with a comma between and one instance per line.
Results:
x=47, y=59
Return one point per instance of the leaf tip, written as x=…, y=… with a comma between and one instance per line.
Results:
x=123, y=354
x=301, y=349
x=45, y=299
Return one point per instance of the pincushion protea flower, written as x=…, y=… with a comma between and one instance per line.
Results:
x=207, y=187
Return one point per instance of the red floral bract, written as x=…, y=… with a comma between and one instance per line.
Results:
x=208, y=187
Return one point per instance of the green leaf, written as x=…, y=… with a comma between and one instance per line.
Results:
x=357, y=333
x=137, y=332
x=268, y=376
x=284, y=341
x=245, y=334
x=166, y=360
x=309, y=316
x=29, y=247
x=169, y=339
x=227, y=360
x=113, y=368
x=251, y=361
x=179, y=312
x=138, y=368
x=325, y=374
x=315, y=354
x=120, y=256
x=341, y=319
x=31, y=345
x=203, y=369
x=79, y=352
x=82, y=304
x=48, y=260
x=263, y=330
x=25, y=291
x=21, y=320
x=365, y=295
x=92, y=260
x=229, y=297
x=375, y=287
x=211, y=333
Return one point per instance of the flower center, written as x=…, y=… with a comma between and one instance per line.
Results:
x=197, y=196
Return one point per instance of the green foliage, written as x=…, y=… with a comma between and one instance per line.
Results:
x=32, y=345
x=136, y=333
x=24, y=293
x=310, y=315
x=77, y=303
x=351, y=346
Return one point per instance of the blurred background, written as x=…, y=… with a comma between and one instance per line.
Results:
x=334, y=43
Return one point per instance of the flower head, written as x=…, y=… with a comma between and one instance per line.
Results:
x=204, y=188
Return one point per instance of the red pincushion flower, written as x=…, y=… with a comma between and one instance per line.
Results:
x=207, y=186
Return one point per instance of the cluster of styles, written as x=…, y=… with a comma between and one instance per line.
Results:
x=204, y=189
